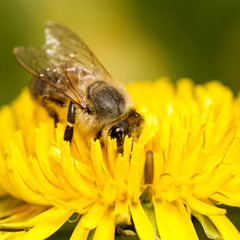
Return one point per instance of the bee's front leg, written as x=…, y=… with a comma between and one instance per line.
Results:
x=68, y=135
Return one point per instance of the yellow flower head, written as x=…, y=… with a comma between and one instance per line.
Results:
x=185, y=163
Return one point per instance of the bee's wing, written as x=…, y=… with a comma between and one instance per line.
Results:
x=60, y=38
x=64, y=62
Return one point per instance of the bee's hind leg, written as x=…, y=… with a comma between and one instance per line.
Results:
x=68, y=135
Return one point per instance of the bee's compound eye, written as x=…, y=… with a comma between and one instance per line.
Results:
x=118, y=132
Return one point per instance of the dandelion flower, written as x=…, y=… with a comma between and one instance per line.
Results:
x=186, y=163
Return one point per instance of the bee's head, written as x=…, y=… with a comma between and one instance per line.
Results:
x=131, y=126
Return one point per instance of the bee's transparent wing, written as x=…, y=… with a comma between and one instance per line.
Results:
x=63, y=62
x=38, y=64
x=62, y=42
x=28, y=59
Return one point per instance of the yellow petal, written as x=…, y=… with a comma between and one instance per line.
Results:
x=173, y=221
x=48, y=225
x=21, y=186
x=203, y=207
x=42, y=147
x=106, y=228
x=142, y=223
x=225, y=227
x=136, y=168
x=72, y=175
x=112, y=146
x=44, y=185
x=121, y=169
x=12, y=236
x=80, y=233
x=97, y=162
x=93, y=217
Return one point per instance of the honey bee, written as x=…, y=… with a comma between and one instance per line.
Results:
x=76, y=89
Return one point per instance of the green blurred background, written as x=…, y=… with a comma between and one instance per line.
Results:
x=134, y=39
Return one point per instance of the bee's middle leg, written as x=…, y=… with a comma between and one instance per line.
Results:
x=68, y=135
